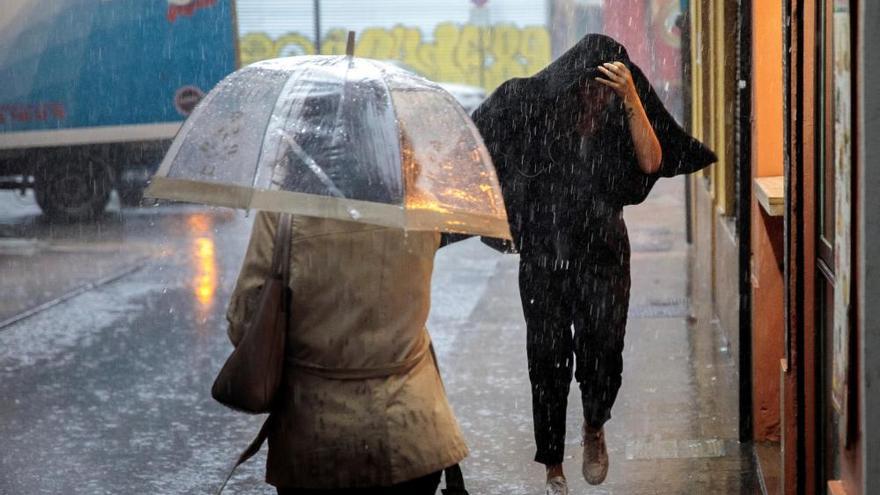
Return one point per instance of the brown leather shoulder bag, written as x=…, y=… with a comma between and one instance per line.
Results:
x=251, y=376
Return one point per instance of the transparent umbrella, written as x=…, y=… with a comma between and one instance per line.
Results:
x=336, y=137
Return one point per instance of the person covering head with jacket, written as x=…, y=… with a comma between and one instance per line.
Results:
x=572, y=146
x=362, y=408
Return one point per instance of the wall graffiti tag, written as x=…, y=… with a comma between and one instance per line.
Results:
x=467, y=54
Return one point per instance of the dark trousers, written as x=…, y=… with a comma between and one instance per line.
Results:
x=426, y=485
x=592, y=300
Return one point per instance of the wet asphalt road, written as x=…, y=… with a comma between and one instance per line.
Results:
x=109, y=391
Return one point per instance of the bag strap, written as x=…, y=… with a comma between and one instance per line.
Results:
x=454, y=481
x=284, y=225
x=248, y=452
x=453, y=475
x=281, y=257
x=280, y=268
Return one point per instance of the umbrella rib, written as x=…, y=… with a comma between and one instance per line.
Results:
x=313, y=166
x=343, y=100
x=399, y=131
x=263, y=142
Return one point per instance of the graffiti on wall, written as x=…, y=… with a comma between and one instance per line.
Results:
x=466, y=54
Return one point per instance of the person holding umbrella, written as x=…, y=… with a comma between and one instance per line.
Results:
x=572, y=146
x=363, y=408
x=336, y=152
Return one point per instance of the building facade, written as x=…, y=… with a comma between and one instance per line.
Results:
x=785, y=228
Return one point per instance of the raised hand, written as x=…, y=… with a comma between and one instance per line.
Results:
x=619, y=78
x=647, y=146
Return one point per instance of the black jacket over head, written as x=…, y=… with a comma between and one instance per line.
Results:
x=551, y=177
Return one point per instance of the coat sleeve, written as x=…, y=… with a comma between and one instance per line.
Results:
x=634, y=185
x=496, y=121
x=682, y=154
x=255, y=269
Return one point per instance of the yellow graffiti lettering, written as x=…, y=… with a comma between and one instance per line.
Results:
x=334, y=43
x=446, y=39
x=376, y=43
x=504, y=50
x=254, y=47
x=468, y=54
x=425, y=60
x=411, y=50
x=535, y=49
x=293, y=44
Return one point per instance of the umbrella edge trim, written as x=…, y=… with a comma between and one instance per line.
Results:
x=191, y=191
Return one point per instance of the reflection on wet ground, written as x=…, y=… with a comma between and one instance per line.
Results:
x=44, y=260
x=204, y=279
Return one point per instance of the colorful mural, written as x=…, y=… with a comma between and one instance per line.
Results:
x=466, y=54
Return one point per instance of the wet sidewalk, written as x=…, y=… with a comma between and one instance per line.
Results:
x=674, y=426
x=109, y=391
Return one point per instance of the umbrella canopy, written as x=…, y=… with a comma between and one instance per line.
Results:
x=336, y=137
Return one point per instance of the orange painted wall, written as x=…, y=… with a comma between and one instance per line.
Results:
x=768, y=321
x=767, y=90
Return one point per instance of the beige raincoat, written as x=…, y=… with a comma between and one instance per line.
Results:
x=363, y=403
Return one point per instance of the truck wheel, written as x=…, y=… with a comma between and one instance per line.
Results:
x=130, y=196
x=73, y=191
x=131, y=181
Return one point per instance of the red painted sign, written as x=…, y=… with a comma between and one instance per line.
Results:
x=186, y=99
x=647, y=29
x=177, y=8
x=32, y=112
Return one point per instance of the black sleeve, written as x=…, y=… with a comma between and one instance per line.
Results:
x=634, y=184
x=682, y=154
x=503, y=121
x=447, y=238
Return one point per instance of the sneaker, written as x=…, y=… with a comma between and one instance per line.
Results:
x=557, y=486
x=595, y=466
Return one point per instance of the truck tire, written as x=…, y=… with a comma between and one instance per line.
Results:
x=74, y=190
x=130, y=196
x=131, y=182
